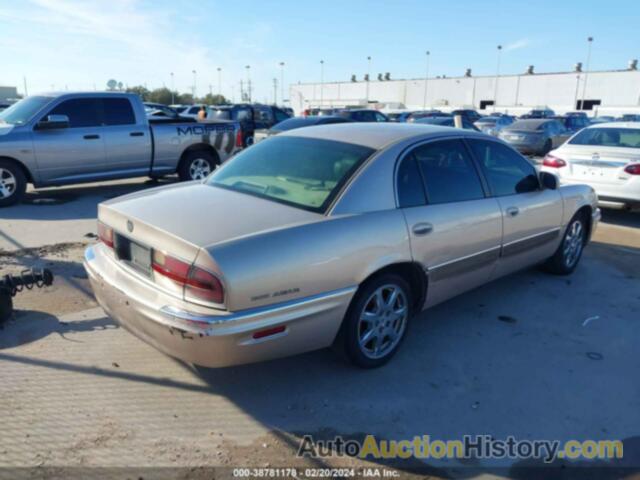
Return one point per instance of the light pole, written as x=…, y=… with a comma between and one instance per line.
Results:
x=194, y=84
x=426, y=83
x=219, y=83
x=321, y=82
x=495, y=91
x=586, y=73
x=248, y=67
x=282, y=82
x=368, y=77
x=173, y=100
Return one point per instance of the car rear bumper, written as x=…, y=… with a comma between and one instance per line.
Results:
x=609, y=194
x=215, y=339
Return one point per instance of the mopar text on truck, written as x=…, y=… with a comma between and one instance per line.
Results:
x=61, y=139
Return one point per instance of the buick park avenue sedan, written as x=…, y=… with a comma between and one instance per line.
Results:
x=330, y=235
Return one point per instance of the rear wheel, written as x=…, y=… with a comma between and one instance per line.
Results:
x=13, y=183
x=196, y=165
x=377, y=321
x=566, y=258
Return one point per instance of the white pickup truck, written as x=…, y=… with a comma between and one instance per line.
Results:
x=67, y=138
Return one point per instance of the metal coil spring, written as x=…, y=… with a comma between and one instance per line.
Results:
x=26, y=279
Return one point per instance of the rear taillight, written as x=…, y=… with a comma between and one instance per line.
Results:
x=633, y=169
x=105, y=234
x=553, y=162
x=198, y=284
x=239, y=138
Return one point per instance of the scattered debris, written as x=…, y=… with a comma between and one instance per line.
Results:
x=590, y=319
x=595, y=355
x=475, y=405
x=507, y=319
x=115, y=364
x=90, y=235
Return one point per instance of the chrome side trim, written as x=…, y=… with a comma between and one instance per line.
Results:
x=253, y=313
x=532, y=241
x=459, y=265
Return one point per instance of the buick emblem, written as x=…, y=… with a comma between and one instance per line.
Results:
x=130, y=226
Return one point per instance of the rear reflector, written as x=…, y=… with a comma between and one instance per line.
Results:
x=239, y=138
x=553, y=162
x=105, y=234
x=269, y=332
x=198, y=283
x=633, y=169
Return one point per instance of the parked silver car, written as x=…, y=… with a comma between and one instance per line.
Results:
x=340, y=234
x=535, y=136
x=493, y=125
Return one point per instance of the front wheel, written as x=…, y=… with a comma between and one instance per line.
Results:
x=377, y=321
x=196, y=165
x=566, y=258
x=13, y=183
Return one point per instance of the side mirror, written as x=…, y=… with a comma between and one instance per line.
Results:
x=53, y=122
x=548, y=181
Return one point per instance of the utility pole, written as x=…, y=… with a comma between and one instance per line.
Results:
x=248, y=67
x=26, y=92
x=495, y=90
x=242, y=99
x=219, y=82
x=173, y=89
x=586, y=73
x=275, y=91
x=194, y=84
x=321, y=83
x=282, y=82
x=426, y=82
x=368, y=77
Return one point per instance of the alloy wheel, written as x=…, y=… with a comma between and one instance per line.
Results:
x=7, y=183
x=573, y=243
x=382, y=321
x=199, y=169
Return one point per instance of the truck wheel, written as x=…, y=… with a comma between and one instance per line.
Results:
x=249, y=141
x=196, y=165
x=566, y=258
x=13, y=183
x=376, y=321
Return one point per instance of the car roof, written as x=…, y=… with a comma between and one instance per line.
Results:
x=372, y=135
x=533, y=121
x=635, y=125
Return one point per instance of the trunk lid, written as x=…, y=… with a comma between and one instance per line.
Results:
x=591, y=163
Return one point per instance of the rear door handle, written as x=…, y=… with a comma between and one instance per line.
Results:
x=422, y=228
x=136, y=134
x=513, y=211
x=91, y=137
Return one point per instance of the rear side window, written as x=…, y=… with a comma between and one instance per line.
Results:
x=448, y=172
x=410, y=186
x=118, y=111
x=608, y=137
x=82, y=112
x=507, y=171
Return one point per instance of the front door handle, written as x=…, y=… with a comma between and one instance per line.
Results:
x=422, y=228
x=513, y=211
x=91, y=137
x=136, y=134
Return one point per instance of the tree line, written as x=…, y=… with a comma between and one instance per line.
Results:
x=164, y=96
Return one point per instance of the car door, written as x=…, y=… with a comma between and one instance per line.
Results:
x=455, y=229
x=531, y=216
x=75, y=153
x=127, y=143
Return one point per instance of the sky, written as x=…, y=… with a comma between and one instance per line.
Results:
x=81, y=44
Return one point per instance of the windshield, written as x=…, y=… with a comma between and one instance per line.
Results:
x=608, y=137
x=492, y=120
x=303, y=172
x=23, y=111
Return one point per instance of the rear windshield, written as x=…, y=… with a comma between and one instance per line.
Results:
x=220, y=114
x=527, y=125
x=303, y=172
x=292, y=123
x=608, y=137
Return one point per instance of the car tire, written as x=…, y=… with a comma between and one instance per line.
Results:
x=376, y=323
x=548, y=145
x=196, y=165
x=566, y=258
x=249, y=141
x=13, y=183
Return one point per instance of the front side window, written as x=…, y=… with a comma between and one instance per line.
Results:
x=82, y=112
x=303, y=172
x=280, y=116
x=448, y=172
x=507, y=171
x=380, y=117
x=608, y=137
x=118, y=111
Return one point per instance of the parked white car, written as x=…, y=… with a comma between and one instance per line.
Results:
x=604, y=156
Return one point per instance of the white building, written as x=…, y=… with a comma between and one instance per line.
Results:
x=607, y=92
x=8, y=94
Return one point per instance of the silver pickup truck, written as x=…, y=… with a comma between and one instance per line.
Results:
x=67, y=138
